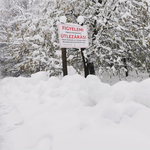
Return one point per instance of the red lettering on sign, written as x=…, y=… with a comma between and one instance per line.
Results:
x=73, y=36
x=72, y=28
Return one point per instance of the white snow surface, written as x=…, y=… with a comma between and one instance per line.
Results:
x=63, y=19
x=80, y=19
x=73, y=113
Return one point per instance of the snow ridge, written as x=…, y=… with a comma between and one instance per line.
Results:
x=42, y=113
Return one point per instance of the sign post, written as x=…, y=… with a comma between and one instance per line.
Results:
x=63, y=50
x=72, y=36
x=64, y=61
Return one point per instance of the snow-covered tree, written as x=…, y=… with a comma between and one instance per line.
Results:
x=32, y=43
x=118, y=33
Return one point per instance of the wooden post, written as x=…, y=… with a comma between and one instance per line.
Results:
x=84, y=63
x=64, y=61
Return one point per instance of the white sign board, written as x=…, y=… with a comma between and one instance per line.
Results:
x=73, y=36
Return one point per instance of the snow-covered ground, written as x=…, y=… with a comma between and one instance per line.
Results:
x=113, y=79
x=73, y=113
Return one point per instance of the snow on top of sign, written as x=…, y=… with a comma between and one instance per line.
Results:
x=63, y=19
x=80, y=19
x=95, y=18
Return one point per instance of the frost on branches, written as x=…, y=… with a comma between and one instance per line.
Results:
x=33, y=42
x=118, y=32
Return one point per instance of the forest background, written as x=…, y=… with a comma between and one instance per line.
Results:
x=118, y=31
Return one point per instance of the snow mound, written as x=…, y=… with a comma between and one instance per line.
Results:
x=80, y=19
x=63, y=19
x=40, y=76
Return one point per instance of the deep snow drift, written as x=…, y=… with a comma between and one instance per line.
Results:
x=74, y=113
